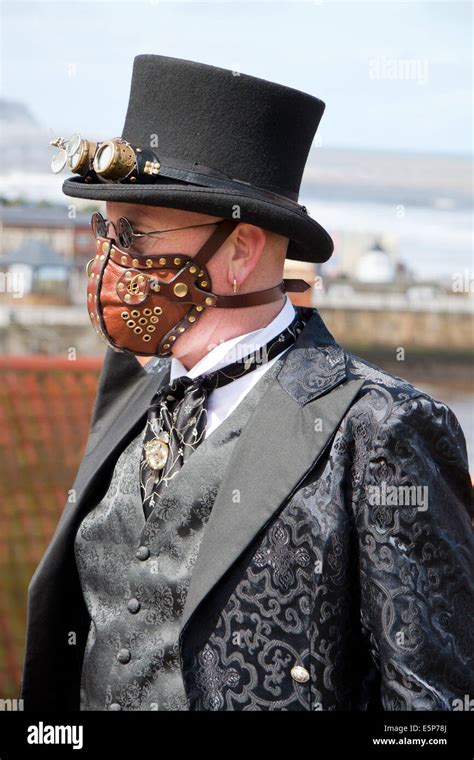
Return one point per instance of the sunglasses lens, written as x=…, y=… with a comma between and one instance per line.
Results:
x=124, y=232
x=99, y=227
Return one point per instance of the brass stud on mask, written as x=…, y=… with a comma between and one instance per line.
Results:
x=180, y=289
x=123, y=259
x=105, y=247
x=133, y=287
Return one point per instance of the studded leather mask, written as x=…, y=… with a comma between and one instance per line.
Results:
x=143, y=304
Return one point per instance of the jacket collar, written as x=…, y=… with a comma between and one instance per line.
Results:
x=315, y=364
x=315, y=356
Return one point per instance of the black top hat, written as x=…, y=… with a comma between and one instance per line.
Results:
x=229, y=144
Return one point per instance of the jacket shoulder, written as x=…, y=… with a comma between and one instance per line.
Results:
x=379, y=382
x=388, y=411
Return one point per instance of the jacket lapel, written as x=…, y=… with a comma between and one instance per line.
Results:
x=293, y=423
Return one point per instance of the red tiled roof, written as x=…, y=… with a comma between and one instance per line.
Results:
x=45, y=408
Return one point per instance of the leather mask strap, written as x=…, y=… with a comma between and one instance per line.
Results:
x=256, y=298
x=213, y=243
x=261, y=296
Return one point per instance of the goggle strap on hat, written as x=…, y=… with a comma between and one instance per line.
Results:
x=208, y=177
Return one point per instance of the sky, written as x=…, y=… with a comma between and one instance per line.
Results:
x=394, y=75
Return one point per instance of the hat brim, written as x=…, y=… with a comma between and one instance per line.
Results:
x=308, y=240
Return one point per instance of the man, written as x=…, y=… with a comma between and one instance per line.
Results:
x=261, y=521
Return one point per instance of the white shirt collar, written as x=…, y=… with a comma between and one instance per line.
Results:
x=226, y=352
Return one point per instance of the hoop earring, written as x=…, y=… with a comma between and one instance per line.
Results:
x=234, y=286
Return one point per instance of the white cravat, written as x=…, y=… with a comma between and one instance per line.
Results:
x=222, y=401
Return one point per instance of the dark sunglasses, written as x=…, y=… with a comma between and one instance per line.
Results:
x=124, y=231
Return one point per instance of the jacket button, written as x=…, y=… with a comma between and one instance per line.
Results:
x=133, y=605
x=115, y=706
x=300, y=674
x=142, y=552
x=124, y=656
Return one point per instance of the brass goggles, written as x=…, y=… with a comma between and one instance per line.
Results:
x=111, y=161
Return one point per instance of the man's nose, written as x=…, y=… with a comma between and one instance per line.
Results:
x=107, y=228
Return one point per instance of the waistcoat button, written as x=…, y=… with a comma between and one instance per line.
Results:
x=124, y=656
x=300, y=674
x=142, y=552
x=115, y=707
x=133, y=605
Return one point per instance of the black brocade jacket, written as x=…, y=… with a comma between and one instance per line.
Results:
x=349, y=555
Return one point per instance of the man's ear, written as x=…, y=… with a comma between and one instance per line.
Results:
x=249, y=242
x=248, y=246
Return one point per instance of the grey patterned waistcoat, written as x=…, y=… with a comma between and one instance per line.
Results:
x=135, y=574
